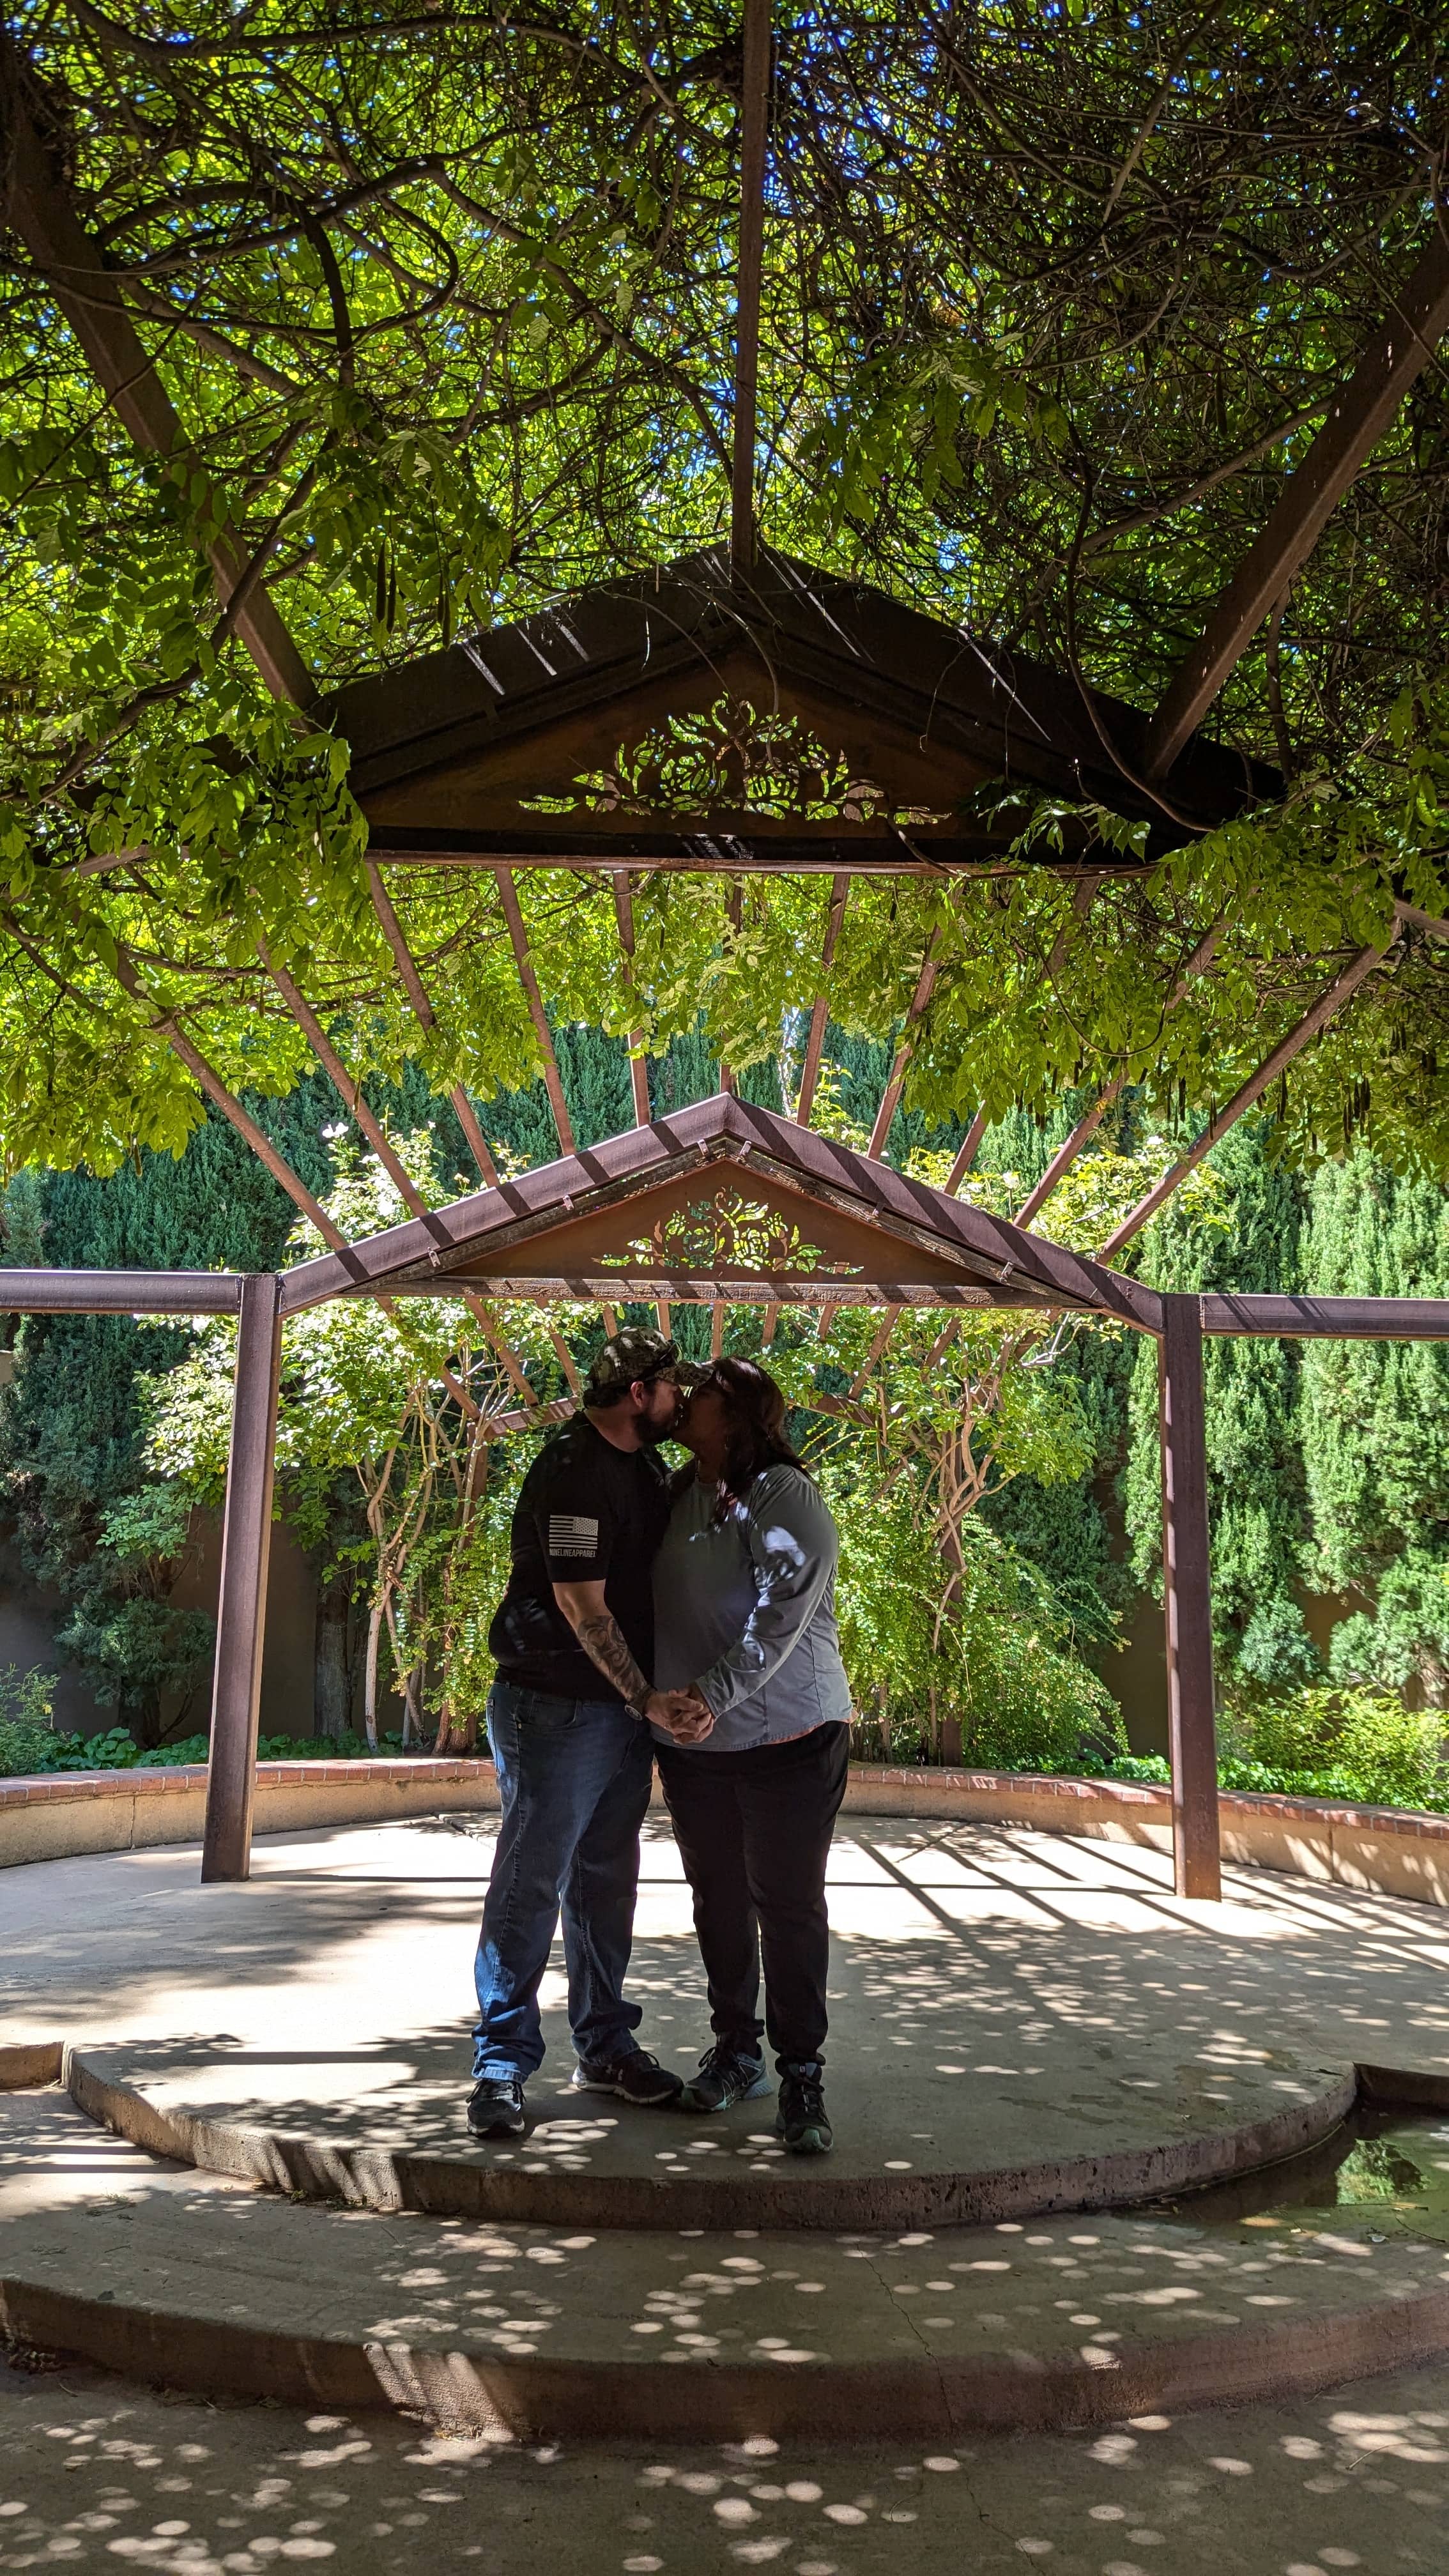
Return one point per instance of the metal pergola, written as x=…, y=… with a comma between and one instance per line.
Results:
x=848, y=1227
x=453, y=759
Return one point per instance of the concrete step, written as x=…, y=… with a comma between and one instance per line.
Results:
x=206, y=2284
x=381, y=2126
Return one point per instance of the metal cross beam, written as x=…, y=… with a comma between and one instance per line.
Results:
x=1395, y=356
x=1329, y=1001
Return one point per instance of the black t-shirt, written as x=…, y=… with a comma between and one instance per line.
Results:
x=586, y=1512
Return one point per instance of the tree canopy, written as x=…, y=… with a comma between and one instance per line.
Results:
x=443, y=302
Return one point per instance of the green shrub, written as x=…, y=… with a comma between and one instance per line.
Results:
x=1396, y=1753
x=27, y=1748
x=1332, y=1743
x=1001, y=1664
x=22, y=1749
x=27, y=1720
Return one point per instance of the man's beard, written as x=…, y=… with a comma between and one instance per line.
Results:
x=651, y=1432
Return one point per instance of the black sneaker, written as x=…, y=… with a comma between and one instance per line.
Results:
x=726, y=2075
x=801, y=2119
x=636, y=2077
x=496, y=2108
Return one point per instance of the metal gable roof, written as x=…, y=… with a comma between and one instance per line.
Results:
x=990, y=1260
x=877, y=658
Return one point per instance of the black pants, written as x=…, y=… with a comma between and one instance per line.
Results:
x=753, y=1830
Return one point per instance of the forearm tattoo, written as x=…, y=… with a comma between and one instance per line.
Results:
x=603, y=1641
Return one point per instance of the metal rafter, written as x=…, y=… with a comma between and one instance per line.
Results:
x=970, y=1148
x=754, y=139
x=91, y=301
x=1061, y=1162
x=348, y=1088
x=815, y=1041
x=734, y=915
x=508, y=895
x=638, y=1069
x=1086, y=1128
x=351, y=1093
x=1328, y=1002
x=41, y=212
x=890, y=1099
x=1067, y=1152
x=891, y=1096
x=393, y=933
x=820, y=1013
x=1396, y=355
x=231, y=1109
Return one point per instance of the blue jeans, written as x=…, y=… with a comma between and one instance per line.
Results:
x=574, y=1776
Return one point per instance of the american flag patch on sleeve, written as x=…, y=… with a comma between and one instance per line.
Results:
x=569, y=1534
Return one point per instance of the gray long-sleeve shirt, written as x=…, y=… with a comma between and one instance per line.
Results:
x=745, y=1607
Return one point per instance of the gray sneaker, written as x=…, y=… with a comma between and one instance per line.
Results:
x=495, y=2109
x=635, y=2077
x=801, y=2120
x=725, y=2077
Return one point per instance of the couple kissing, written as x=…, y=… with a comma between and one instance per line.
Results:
x=687, y=1619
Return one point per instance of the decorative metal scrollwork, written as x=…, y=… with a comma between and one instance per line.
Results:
x=729, y=758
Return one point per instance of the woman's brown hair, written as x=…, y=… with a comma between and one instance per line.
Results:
x=756, y=1424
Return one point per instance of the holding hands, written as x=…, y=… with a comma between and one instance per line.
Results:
x=681, y=1713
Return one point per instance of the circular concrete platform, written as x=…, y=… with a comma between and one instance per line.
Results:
x=1015, y=2027
x=677, y=2335
x=1020, y=2025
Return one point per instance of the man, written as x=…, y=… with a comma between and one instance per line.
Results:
x=568, y=1716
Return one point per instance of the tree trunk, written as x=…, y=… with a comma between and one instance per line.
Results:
x=139, y=1711
x=457, y=1733
x=332, y=1663
x=369, y=1693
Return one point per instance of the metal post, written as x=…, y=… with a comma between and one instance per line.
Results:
x=245, y=1547
x=1187, y=1599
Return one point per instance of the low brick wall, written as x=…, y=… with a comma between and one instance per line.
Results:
x=60, y=1813
x=1387, y=1851
x=1379, y=1850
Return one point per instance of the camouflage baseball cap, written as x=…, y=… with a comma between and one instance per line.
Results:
x=636, y=1353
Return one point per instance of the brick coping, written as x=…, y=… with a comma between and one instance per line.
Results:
x=422, y=1770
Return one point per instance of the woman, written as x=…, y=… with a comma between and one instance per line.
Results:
x=744, y=1589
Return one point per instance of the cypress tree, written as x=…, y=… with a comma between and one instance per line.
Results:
x=85, y=1519
x=1376, y=1428
x=1256, y=1491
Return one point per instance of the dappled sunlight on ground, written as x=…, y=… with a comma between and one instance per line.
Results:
x=95, y=2475
x=80, y=2209
x=994, y=1992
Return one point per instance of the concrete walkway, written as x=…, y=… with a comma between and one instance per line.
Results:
x=1022, y=2025
x=96, y=2476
